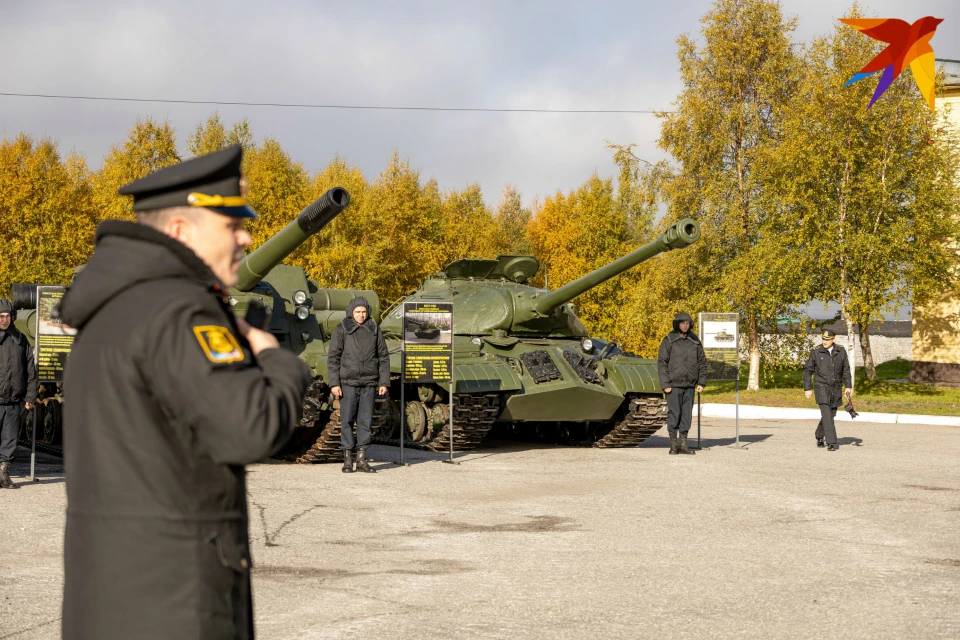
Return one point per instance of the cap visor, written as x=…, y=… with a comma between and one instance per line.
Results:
x=235, y=212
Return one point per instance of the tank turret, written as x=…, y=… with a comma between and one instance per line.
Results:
x=493, y=296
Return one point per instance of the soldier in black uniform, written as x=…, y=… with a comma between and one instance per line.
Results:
x=169, y=398
x=682, y=366
x=829, y=369
x=18, y=386
x=359, y=365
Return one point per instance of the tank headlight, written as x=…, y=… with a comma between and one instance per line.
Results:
x=299, y=297
x=476, y=340
x=587, y=345
x=303, y=313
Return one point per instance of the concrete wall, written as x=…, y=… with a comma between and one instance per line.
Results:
x=936, y=327
x=884, y=348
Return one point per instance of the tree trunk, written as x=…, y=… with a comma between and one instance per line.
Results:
x=753, y=344
x=869, y=367
x=851, y=335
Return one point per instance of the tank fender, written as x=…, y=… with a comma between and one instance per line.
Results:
x=485, y=377
x=631, y=375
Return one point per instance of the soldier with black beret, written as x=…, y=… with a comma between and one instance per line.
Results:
x=170, y=397
x=827, y=376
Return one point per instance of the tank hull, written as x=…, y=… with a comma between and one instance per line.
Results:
x=548, y=389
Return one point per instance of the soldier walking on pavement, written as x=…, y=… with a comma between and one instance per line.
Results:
x=359, y=366
x=18, y=386
x=682, y=366
x=170, y=397
x=829, y=369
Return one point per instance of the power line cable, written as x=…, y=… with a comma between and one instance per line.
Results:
x=330, y=106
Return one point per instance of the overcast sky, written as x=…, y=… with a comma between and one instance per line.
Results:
x=451, y=53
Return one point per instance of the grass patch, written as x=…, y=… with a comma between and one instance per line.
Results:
x=883, y=396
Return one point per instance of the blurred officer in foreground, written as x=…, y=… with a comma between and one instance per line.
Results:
x=829, y=369
x=18, y=386
x=170, y=397
x=682, y=366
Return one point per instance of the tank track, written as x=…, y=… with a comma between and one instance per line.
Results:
x=51, y=449
x=640, y=418
x=322, y=446
x=473, y=418
x=644, y=416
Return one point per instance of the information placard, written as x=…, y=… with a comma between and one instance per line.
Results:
x=720, y=335
x=54, y=339
x=428, y=341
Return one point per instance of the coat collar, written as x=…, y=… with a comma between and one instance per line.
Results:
x=12, y=332
x=350, y=325
x=676, y=335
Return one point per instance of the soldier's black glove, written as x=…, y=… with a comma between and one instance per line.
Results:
x=849, y=407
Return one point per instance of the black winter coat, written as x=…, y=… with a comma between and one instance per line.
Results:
x=167, y=404
x=358, y=355
x=827, y=374
x=681, y=361
x=18, y=371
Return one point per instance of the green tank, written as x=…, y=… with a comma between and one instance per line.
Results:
x=302, y=317
x=523, y=360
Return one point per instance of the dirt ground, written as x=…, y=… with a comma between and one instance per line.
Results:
x=775, y=539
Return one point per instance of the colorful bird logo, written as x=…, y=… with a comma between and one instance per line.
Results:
x=907, y=44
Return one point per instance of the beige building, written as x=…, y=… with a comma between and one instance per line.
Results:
x=936, y=327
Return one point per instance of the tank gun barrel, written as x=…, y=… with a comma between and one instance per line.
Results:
x=315, y=216
x=677, y=236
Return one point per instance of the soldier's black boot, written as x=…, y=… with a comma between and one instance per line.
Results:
x=832, y=447
x=347, y=461
x=674, y=447
x=362, y=464
x=683, y=446
x=820, y=443
x=5, y=481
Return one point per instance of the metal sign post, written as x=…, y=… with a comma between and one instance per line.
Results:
x=699, y=413
x=428, y=359
x=450, y=417
x=737, y=411
x=403, y=412
x=720, y=337
x=33, y=448
x=52, y=346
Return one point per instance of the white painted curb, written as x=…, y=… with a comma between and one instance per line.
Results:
x=754, y=412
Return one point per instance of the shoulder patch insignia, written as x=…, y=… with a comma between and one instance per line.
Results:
x=218, y=344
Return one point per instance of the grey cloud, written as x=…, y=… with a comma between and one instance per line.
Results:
x=618, y=55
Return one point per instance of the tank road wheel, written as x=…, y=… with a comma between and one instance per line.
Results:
x=386, y=417
x=417, y=422
x=439, y=418
x=49, y=429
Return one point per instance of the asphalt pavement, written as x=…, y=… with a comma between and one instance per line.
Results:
x=774, y=538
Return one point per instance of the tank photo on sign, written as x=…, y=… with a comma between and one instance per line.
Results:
x=428, y=328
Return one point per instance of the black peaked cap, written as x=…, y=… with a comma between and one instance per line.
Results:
x=215, y=175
